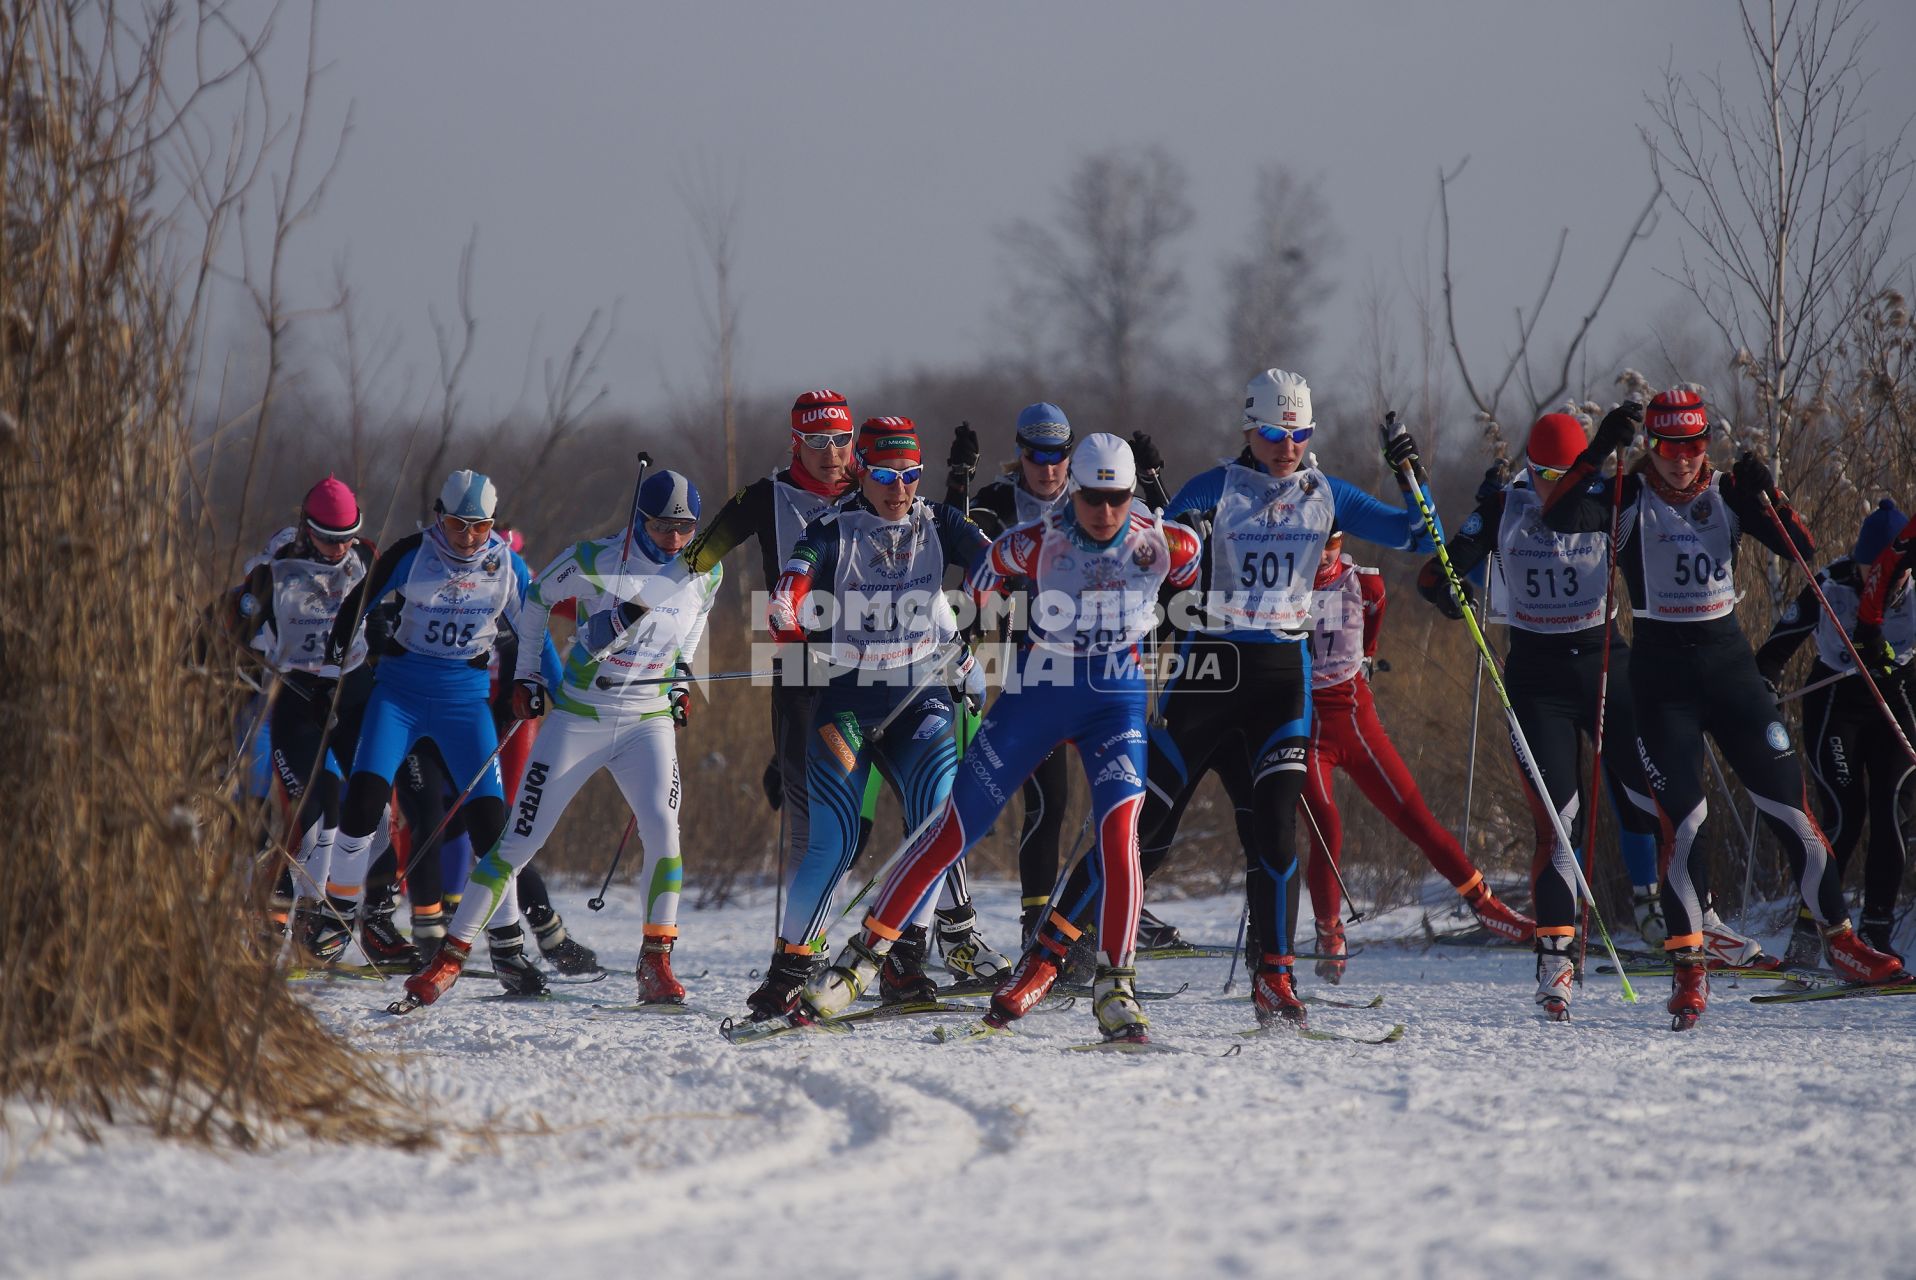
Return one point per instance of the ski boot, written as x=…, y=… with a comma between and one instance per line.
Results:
x=1726, y=947
x=1031, y=914
x=1080, y=964
x=964, y=949
x=1689, y=988
x=850, y=976
x=902, y=978
x=1155, y=935
x=1274, y=995
x=1330, y=943
x=1494, y=914
x=1556, y=976
x=1036, y=972
x=440, y=973
x=1880, y=933
x=1114, y=999
x=657, y=983
x=566, y=953
x=324, y=930
x=429, y=933
x=1855, y=960
x=1805, y=950
x=518, y=975
x=777, y=995
x=380, y=939
x=1646, y=900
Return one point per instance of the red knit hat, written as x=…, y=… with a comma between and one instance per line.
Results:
x=1555, y=441
x=331, y=509
x=889, y=442
x=817, y=411
x=1677, y=414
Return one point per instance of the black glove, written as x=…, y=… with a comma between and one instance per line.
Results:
x=1145, y=452
x=964, y=448
x=1753, y=476
x=379, y=632
x=528, y=700
x=1399, y=448
x=681, y=696
x=1618, y=428
x=774, y=784
x=1496, y=476
x=1434, y=586
x=1879, y=658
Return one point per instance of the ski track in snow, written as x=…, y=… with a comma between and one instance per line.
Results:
x=1487, y=1143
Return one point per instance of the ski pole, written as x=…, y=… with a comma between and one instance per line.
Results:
x=1841, y=630
x=1749, y=845
x=1330, y=856
x=597, y=903
x=1517, y=739
x=1813, y=686
x=633, y=518
x=1603, y=703
x=686, y=677
x=1470, y=770
x=937, y=671
x=1237, y=948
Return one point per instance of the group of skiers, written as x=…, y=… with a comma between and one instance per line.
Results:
x=1221, y=627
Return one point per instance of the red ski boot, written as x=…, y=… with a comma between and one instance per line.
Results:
x=657, y=983
x=1330, y=943
x=436, y=979
x=1855, y=959
x=1275, y=997
x=1689, y=988
x=1031, y=979
x=1494, y=914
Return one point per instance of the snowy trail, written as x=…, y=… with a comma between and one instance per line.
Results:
x=1486, y=1143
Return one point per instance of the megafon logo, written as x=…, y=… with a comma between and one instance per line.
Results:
x=826, y=413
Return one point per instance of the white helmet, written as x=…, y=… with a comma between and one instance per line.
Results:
x=1103, y=461
x=468, y=495
x=1280, y=398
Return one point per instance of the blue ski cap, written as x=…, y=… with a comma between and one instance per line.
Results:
x=1044, y=426
x=667, y=495
x=468, y=495
x=1880, y=528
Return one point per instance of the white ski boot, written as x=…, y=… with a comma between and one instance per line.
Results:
x=1114, y=999
x=1556, y=977
x=1646, y=900
x=1726, y=946
x=965, y=951
x=850, y=976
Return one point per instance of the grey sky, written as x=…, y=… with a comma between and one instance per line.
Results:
x=877, y=146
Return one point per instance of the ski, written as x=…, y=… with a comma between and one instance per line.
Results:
x=1838, y=991
x=907, y=1009
x=750, y=1033
x=969, y=1032
x=552, y=979
x=659, y=1007
x=1332, y=1002
x=1802, y=977
x=1209, y=951
x=1124, y=1046
x=1084, y=989
x=1391, y=1036
x=338, y=973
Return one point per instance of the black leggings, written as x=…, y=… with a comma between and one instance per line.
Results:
x=1682, y=691
x=424, y=789
x=1046, y=793
x=1862, y=774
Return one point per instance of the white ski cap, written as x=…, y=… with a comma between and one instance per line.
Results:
x=468, y=495
x=1103, y=461
x=1278, y=397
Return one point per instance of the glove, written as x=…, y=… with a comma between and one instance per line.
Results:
x=1365, y=666
x=1399, y=448
x=528, y=700
x=774, y=784
x=1618, y=428
x=1145, y=452
x=681, y=696
x=1879, y=658
x=964, y=448
x=1495, y=477
x=782, y=619
x=379, y=632
x=1434, y=587
x=605, y=626
x=973, y=675
x=1753, y=475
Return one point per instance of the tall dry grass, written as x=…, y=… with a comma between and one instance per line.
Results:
x=134, y=985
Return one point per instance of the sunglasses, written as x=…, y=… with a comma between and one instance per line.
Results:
x=1105, y=497
x=893, y=475
x=825, y=439
x=1693, y=447
x=1279, y=435
x=1550, y=475
x=323, y=539
x=661, y=527
x=468, y=526
x=1046, y=457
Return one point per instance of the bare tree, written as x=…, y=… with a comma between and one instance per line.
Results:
x=1274, y=288
x=1788, y=206
x=1102, y=274
x=453, y=354
x=713, y=204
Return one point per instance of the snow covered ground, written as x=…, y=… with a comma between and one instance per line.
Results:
x=1770, y=1142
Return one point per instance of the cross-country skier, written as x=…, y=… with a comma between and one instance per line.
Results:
x=458, y=583
x=1550, y=588
x=1692, y=670
x=616, y=712
x=1094, y=567
x=1861, y=772
x=866, y=584
x=286, y=609
x=1347, y=614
